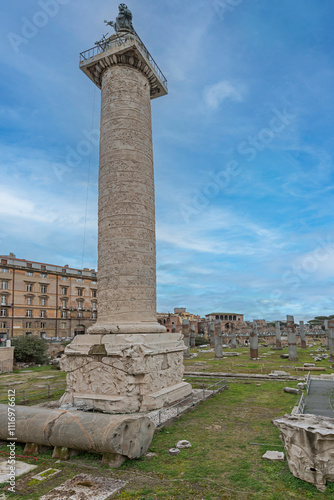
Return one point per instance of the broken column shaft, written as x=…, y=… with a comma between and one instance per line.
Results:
x=278, y=335
x=218, y=339
x=292, y=340
x=302, y=335
x=254, y=342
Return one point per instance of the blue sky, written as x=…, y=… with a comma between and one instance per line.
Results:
x=243, y=147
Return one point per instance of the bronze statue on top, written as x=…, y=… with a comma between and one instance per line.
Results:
x=123, y=20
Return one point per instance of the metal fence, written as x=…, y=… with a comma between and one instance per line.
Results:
x=301, y=405
x=26, y=395
x=189, y=401
x=106, y=44
x=308, y=382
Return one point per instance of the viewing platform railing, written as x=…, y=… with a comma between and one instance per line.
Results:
x=116, y=41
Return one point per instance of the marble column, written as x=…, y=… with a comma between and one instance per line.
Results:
x=254, y=342
x=233, y=342
x=127, y=362
x=331, y=338
x=278, y=335
x=302, y=335
x=186, y=337
x=292, y=341
x=218, y=339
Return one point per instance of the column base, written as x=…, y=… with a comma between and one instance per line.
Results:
x=125, y=373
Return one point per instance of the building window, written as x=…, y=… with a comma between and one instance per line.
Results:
x=44, y=288
x=29, y=301
x=43, y=302
x=80, y=292
x=64, y=314
x=64, y=302
x=64, y=290
x=80, y=304
x=64, y=278
x=43, y=275
x=79, y=314
x=29, y=264
x=63, y=325
x=79, y=273
x=94, y=315
x=29, y=313
x=94, y=306
x=29, y=287
x=3, y=324
x=94, y=274
x=43, y=325
x=3, y=300
x=93, y=293
x=29, y=334
x=4, y=270
x=79, y=280
x=30, y=273
x=3, y=313
x=4, y=285
x=43, y=315
x=28, y=324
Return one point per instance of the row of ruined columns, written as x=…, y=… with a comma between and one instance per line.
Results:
x=216, y=338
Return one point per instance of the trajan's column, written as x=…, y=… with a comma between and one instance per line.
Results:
x=127, y=362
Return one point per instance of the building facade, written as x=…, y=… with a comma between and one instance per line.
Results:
x=45, y=300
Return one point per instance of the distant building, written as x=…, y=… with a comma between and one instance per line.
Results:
x=224, y=316
x=45, y=300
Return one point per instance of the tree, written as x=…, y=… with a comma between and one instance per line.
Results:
x=30, y=349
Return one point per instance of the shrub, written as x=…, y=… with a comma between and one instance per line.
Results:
x=30, y=350
x=201, y=341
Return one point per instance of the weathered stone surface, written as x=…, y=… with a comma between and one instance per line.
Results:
x=125, y=373
x=6, y=359
x=278, y=335
x=122, y=434
x=254, y=343
x=173, y=451
x=292, y=342
x=291, y=390
x=302, y=335
x=21, y=468
x=86, y=487
x=279, y=373
x=276, y=456
x=309, y=445
x=307, y=365
x=183, y=444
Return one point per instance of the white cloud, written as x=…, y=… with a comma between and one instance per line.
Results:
x=215, y=95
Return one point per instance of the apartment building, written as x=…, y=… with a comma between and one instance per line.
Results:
x=44, y=299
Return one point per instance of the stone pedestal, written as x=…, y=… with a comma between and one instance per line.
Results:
x=292, y=342
x=278, y=335
x=302, y=335
x=125, y=373
x=127, y=362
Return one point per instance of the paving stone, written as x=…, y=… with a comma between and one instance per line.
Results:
x=21, y=468
x=276, y=456
x=86, y=487
x=46, y=474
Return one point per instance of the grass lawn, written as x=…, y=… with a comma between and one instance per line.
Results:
x=270, y=360
x=221, y=464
